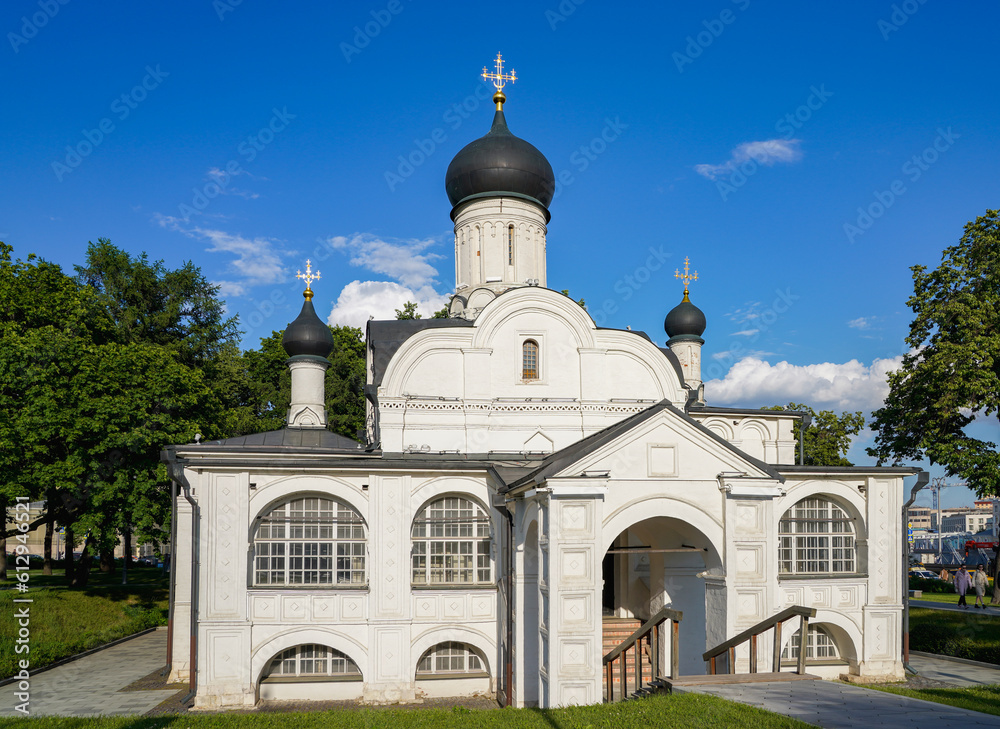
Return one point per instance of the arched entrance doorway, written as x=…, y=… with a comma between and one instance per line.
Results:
x=661, y=562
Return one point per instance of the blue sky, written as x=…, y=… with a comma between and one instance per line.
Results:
x=803, y=155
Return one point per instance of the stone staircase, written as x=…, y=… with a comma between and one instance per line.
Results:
x=617, y=630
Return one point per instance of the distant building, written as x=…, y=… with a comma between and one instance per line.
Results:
x=972, y=521
x=921, y=518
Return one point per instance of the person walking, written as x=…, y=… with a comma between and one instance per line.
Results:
x=962, y=583
x=979, y=582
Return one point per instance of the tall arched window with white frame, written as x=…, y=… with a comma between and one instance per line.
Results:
x=816, y=536
x=451, y=544
x=510, y=245
x=529, y=360
x=310, y=540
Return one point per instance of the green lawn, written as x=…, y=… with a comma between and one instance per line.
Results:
x=952, y=598
x=64, y=622
x=971, y=634
x=688, y=711
x=977, y=698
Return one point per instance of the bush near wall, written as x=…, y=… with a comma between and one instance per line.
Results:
x=971, y=635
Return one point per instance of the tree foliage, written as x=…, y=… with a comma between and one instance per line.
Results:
x=951, y=376
x=827, y=438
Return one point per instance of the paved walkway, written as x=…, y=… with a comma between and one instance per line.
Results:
x=91, y=686
x=835, y=705
x=988, y=610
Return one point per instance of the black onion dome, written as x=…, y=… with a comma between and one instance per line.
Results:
x=307, y=334
x=685, y=319
x=498, y=163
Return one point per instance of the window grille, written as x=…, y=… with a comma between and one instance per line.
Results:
x=311, y=661
x=510, y=245
x=310, y=541
x=450, y=658
x=816, y=537
x=820, y=646
x=451, y=544
x=529, y=360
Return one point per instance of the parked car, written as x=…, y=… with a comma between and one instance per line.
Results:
x=923, y=574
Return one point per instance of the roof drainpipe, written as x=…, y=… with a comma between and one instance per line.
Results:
x=807, y=420
x=922, y=478
x=176, y=472
x=500, y=504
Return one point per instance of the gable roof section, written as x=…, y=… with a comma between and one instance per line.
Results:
x=562, y=459
x=289, y=438
x=384, y=338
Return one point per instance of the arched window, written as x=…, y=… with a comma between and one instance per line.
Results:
x=820, y=646
x=816, y=537
x=529, y=360
x=451, y=543
x=310, y=541
x=451, y=659
x=510, y=245
x=312, y=661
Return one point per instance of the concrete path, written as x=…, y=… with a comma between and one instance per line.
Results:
x=988, y=610
x=837, y=705
x=958, y=673
x=91, y=686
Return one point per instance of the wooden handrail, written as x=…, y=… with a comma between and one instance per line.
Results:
x=758, y=629
x=650, y=630
x=661, y=615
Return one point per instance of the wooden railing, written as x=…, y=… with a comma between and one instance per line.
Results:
x=750, y=634
x=651, y=633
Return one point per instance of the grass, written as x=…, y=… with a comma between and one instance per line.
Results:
x=976, y=698
x=66, y=621
x=687, y=711
x=971, y=634
x=952, y=598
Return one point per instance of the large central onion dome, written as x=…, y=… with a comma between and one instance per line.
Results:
x=500, y=164
x=307, y=334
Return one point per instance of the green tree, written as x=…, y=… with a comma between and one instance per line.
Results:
x=409, y=311
x=951, y=375
x=827, y=438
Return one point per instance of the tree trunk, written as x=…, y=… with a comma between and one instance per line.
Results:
x=47, y=544
x=128, y=549
x=68, y=554
x=996, y=576
x=82, y=572
x=108, y=560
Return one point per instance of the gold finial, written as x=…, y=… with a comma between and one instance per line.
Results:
x=499, y=79
x=308, y=277
x=686, y=277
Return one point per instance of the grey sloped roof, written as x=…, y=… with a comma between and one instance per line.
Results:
x=384, y=338
x=292, y=438
x=569, y=455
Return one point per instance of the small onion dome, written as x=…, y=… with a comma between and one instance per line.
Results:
x=500, y=163
x=685, y=319
x=307, y=334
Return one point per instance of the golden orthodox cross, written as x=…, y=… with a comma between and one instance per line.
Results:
x=686, y=277
x=308, y=277
x=498, y=77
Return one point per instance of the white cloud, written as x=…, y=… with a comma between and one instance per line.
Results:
x=745, y=333
x=404, y=260
x=861, y=322
x=746, y=313
x=258, y=260
x=767, y=152
x=847, y=386
x=361, y=300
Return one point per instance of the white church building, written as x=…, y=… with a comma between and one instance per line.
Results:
x=529, y=481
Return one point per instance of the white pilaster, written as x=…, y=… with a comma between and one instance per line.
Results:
x=308, y=408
